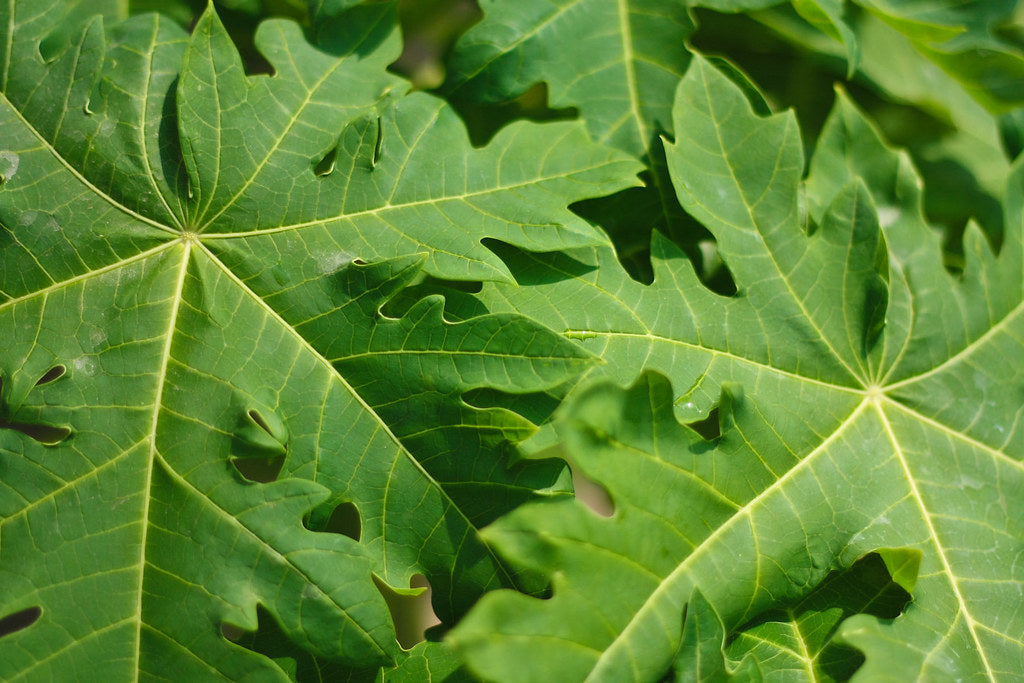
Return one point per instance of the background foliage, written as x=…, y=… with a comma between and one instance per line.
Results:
x=311, y=306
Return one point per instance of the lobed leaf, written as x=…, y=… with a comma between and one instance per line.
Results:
x=863, y=421
x=177, y=425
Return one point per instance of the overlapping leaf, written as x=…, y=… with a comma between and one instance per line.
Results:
x=626, y=60
x=620, y=75
x=962, y=38
x=377, y=187
x=868, y=401
x=175, y=234
x=944, y=58
x=954, y=139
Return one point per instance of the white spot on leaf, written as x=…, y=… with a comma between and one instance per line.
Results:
x=887, y=215
x=38, y=219
x=97, y=336
x=85, y=365
x=331, y=262
x=967, y=481
x=9, y=162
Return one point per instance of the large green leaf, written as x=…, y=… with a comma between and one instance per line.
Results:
x=954, y=140
x=962, y=39
x=196, y=376
x=620, y=74
x=351, y=192
x=867, y=400
x=624, y=95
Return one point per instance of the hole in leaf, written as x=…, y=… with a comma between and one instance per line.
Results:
x=459, y=304
x=710, y=427
x=411, y=610
x=344, y=520
x=51, y=46
x=593, y=495
x=714, y=272
x=325, y=166
x=812, y=227
x=260, y=422
x=232, y=632
x=54, y=373
x=259, y=470
x=44, y=434
x=262, y=438
x=536, y=407
x=13, y=623
x=378, y=145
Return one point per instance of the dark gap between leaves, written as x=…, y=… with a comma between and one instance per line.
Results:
x=866, y=587
x=232, y=632
x=483, y=119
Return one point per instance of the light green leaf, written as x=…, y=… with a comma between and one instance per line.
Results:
x=706, y=519
x=620, y=75
x=827, y=16
x=877, y=411
x=139, y=505
x=954, y=140
x=415, y=373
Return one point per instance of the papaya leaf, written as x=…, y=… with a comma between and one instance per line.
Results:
x=865, y=399
x=963, y=40
x=801, y=638
x=624, y=97
x=178, y=429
